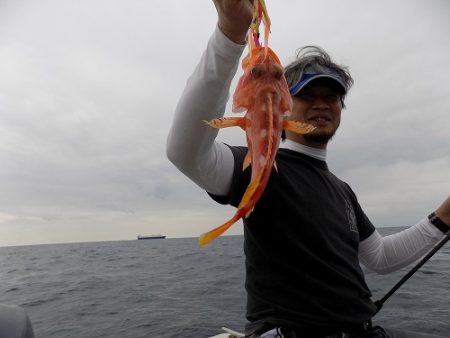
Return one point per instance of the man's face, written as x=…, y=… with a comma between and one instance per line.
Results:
x=318, y=103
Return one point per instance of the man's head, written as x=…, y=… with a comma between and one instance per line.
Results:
x=318, y=87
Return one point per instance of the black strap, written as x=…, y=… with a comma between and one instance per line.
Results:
x=438, y=223
x=379, y=303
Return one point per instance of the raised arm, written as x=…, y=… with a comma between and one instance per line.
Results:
x=191, y=144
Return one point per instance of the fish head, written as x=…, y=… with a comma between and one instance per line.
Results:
x=263, y=74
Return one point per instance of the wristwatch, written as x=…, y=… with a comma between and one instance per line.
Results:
x=438, y=223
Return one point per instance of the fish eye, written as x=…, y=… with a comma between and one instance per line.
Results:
x=256, y=71
x=277, y=72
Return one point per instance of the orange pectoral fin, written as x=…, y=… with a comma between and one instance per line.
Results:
x=226, y=122
x=298, y=127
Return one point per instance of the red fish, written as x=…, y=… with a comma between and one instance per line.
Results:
x=262, y=92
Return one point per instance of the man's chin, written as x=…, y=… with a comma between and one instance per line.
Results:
x=318, y=138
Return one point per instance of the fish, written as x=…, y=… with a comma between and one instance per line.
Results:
x=263, y=94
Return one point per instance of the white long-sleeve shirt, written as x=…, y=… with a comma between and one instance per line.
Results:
x=193, y=149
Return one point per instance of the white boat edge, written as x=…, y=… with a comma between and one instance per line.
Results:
x=229, y=334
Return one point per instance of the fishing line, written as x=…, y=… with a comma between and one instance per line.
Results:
x=379, y=303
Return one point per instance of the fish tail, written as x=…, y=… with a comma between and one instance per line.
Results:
x=249, y=193
x=209, y=236
x=245, y=208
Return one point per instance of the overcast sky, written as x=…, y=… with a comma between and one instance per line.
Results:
x=88, y=90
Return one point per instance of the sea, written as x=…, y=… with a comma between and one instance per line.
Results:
x=173, y=288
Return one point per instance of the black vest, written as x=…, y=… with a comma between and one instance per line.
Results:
x=301, y=246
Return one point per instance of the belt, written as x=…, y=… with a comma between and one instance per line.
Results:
x=331, y=332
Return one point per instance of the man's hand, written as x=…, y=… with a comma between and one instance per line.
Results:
x=235, y=17
x=443, y=212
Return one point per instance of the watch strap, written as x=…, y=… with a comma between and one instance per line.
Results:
x=438, y=223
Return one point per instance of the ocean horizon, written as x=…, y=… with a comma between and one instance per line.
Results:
x=173, y=288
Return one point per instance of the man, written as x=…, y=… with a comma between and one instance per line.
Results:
x=307, y=235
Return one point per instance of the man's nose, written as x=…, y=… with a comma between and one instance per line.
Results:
x=320, y=103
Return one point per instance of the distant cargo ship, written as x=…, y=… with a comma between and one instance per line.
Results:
x=151, y=237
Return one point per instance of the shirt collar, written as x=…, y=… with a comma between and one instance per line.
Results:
x=320, y=154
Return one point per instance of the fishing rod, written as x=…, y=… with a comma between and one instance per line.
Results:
x=379, y=303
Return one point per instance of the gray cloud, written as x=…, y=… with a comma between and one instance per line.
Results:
x=87, y=97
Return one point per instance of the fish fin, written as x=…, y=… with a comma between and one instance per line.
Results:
x=247, y=161
x=298, y=127
x=266, y=21
x=238, y=109
x=225, y=122
x=266, y=17
x=209, y=236
x=249, y=193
